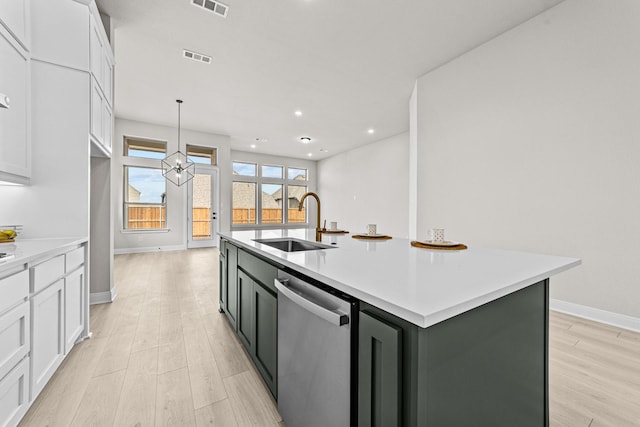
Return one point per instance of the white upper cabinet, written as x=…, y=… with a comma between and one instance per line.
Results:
x=14, y=16
x=101, y=85
x=101, y=58
x=15, y=144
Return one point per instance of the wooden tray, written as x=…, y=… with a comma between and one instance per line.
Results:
x=374, y=237
x=7, y=240
x=422, y=245
x=334, y=231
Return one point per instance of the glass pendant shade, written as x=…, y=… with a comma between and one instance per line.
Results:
x=176, y=167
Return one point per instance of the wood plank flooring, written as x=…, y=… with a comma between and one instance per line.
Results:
x=162, y=355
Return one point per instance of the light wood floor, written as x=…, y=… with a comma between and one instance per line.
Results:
x=161, y=354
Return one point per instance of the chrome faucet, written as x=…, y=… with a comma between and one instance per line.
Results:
x=301, y=205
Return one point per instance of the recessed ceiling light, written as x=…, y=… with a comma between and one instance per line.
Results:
x=370, y=131
x=310, y=154
x=298, y=113
x=305, y=139
x=253, y=145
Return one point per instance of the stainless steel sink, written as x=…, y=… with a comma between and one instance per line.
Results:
x=288, y=244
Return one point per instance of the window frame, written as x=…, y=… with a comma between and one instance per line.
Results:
x=126, y=203
x=125, y=147
x=259, y=180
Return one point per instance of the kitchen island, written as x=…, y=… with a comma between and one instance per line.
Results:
x=444, y=337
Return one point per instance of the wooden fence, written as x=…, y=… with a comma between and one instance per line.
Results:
x=145, y=217
x=149, y=217
x=269, y=216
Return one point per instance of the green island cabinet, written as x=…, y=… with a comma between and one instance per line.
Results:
x=249, y=299
x=485, y=367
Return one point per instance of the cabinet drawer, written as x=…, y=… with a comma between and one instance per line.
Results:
x=14, y=337
x=13, y=289
x=74, y=259
x=14, y=394
x=42, y=275
x=261, y=270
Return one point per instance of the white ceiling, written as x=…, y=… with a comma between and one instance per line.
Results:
x=348, y=65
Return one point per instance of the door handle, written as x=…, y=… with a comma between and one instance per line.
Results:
x=336, y=318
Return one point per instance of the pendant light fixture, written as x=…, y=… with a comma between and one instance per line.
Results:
x=176, y=167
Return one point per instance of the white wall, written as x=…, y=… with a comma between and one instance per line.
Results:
x=369, y=184
x=176, y=237
x=531, y=142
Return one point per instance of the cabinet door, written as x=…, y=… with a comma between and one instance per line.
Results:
x=47, y=337
x=97, y=99
x=265, y=351
x=15, y=148
x=379, y=373
x=231, y=307
x=107, y=126
x=95, y=51
x=107, y=74
x=222, y=285
x=74, y=308
x=245, y=310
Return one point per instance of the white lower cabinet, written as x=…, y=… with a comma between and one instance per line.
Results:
x=14, y=394
x=74, y=313
x=14, y=337
x=47, y=343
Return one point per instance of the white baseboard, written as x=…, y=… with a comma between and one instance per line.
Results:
x=602, y=316
x=122, y=251
x=102, y=297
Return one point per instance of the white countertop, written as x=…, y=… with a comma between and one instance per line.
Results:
x=422, y=286
x=28, y=250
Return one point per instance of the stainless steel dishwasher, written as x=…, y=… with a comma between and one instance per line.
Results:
x=315, y=355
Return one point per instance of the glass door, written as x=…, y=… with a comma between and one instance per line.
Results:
x=203, y=208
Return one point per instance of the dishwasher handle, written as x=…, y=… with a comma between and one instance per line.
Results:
x=337, y=319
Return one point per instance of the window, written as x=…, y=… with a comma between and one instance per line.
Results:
x=293, y=203
x=145, y=204
x=272, y=171
x=138, y=147
x=297, y=174
x=270, y=198
x=272, y=203
x=244, y=169
x=202, y=155
x=244, y=202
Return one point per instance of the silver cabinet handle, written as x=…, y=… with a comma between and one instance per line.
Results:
x=4, y=101
x=335, y=318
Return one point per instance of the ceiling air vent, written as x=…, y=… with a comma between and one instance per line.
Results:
x=216, y=7
x=189, y=54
